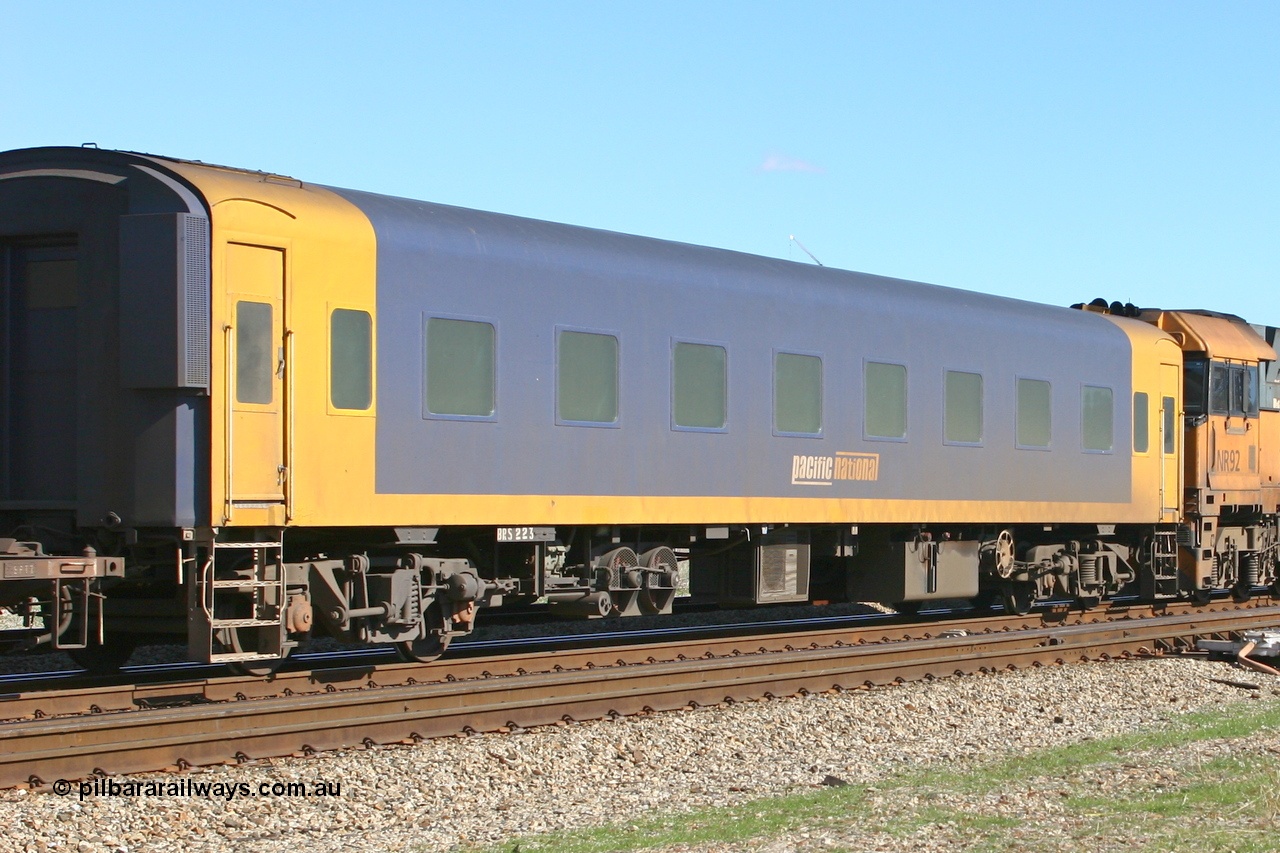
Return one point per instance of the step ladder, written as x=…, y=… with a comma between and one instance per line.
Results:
x=1164, y=564
x=238, y=601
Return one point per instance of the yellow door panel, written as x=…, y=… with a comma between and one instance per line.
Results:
x=256, y=345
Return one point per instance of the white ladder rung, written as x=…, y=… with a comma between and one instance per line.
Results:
x=228, y=657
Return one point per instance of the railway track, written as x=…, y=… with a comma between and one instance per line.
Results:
x=134, y=728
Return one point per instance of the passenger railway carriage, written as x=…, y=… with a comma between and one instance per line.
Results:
x=246, y=409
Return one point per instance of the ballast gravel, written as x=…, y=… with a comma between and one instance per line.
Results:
x=449, y=793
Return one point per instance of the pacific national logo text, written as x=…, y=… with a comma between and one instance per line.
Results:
x=825, y=470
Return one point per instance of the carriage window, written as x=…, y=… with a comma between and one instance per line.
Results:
x=350, y=359
x=797, y=394
x=885, y=400
x=459, y=369
x=698, y=386
x=1251, y=391
x=1170, y=425
x=1141, y=422
x=587, y=378
x=255, y=355
x=963, y=407
x=1096, y=415
x=1034, y=419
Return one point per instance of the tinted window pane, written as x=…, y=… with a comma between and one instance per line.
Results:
x=1237, y=390
x=1097, y=417
x=350, y=359
x=698, y=393
x=964, y=407
x=1141, y=422
x=886, y=400
x=255, y=355
x=1034, y=417
x=1219, y=389
x=797, y=393
x=1251, y=391
x=1170, y=425
x=1194, y=384
x=459, y=367
x=587, y=378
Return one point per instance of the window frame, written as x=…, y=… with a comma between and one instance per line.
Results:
x=238, y=326
x=982, y=409
x=1146, y=435
x=330, y=308
x=906, y=401
x=1017, y=413
x=429, y=415
x=672, y=370
x=555, y=362
x=773, y=393
x=1084, y=386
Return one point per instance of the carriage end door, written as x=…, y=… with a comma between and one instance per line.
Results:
x=257, y=476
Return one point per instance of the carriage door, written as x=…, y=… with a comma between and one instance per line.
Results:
x=1170, y=439
x=38, y=375
x=256, y=472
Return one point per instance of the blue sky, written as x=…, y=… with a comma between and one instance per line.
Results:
x=1049, y=151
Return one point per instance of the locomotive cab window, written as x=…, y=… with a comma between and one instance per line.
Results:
x=1195, y=387
x=698, y=386
x=963, y=408
x=797, y=394
x=1141, y=422
x=1035, y=415
x=1233, y=389
x=255, y=355
x=459, y=368
x=586, y=378
x=1096, y=419
x=884, y=400
x=1269, y=385
x=350, y=359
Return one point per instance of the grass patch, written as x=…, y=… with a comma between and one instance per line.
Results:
x=1143, y=791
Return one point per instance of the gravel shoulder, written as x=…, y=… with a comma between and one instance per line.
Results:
x=452, y=793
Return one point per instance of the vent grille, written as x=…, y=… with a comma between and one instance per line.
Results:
x=197, y=292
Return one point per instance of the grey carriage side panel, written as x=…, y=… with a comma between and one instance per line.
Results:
x=530, y=279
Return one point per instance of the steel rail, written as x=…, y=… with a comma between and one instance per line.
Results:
x=99, y=698
x=41, y=751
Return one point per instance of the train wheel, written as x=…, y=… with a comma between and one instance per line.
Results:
x=1201, y=597
x=1275, y=589
x=658, y=586
x=107, y=658
x=1240, y=593
x=1017, y=597
x=986, y=599
x=422, y=651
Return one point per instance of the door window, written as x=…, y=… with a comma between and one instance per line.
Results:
x=255, y=357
